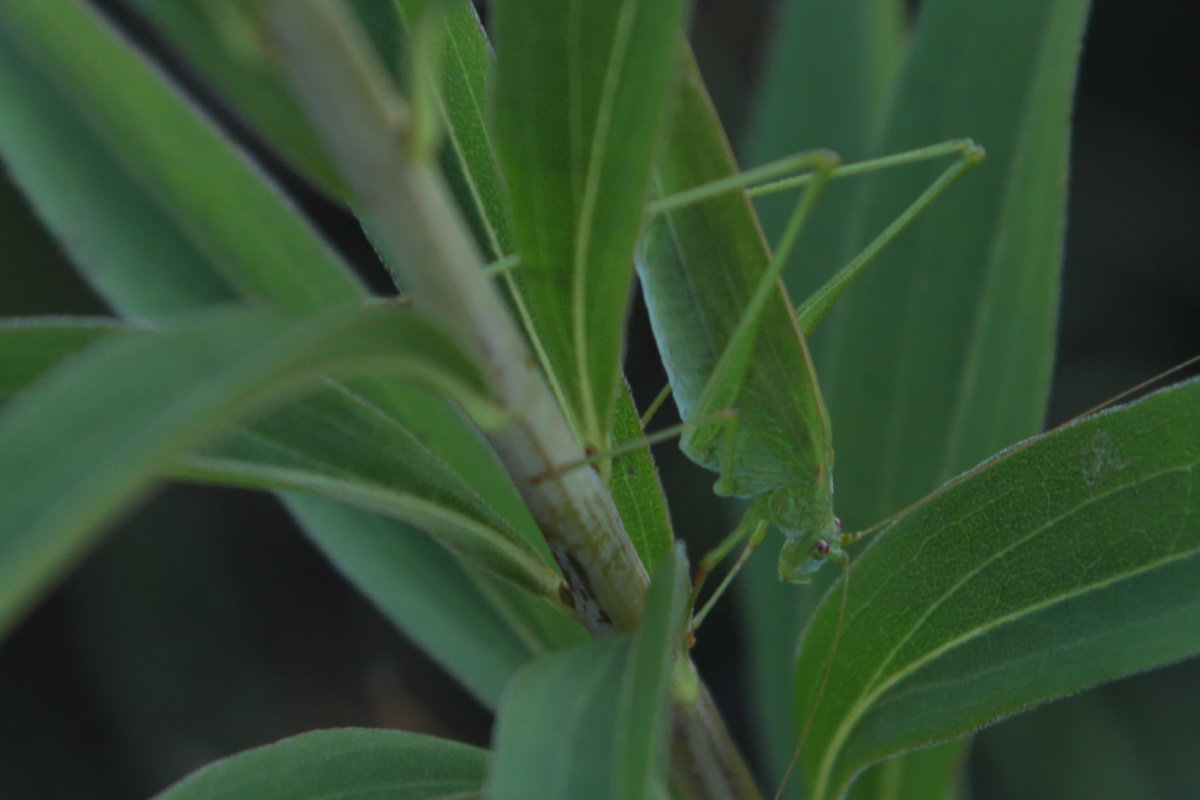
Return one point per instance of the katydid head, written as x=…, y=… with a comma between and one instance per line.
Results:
x=803, y=554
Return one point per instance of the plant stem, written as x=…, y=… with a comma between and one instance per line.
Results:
x=416, y=227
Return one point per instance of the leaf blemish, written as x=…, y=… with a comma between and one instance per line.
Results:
x=1101, y=459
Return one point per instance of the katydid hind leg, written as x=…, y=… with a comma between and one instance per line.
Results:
x=814, y=309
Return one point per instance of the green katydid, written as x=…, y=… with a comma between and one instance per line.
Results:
x=731, y=339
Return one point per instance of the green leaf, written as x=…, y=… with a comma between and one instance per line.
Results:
x=942, y=354
x=828, y=76
x=471, y=166
x=636, y=488
x=1064, y=562
x=334, y=445
x=931, y=773
x=483, y=631
x=31, y=345
x=579, y=93
x=80, y=446
x=591, y=722
x=211, y=36
x=358, y=763
x=216, y=200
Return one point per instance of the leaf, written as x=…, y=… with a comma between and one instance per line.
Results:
x=210, y=35
x=31, y=345
x=942, y=354
x=470, y=163
x=1064, y=562
x=829, y=72
x=361, y=763
x=332, y=444
x=591, y=722
x=577, y=172
x=636, y=487
x=931, y=773
x=215, y=199
x=482, y=630
x=80, y=446
x=146, y=260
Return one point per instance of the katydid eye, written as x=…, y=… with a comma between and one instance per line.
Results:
x=821, y=547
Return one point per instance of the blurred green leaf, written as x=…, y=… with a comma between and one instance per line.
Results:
x=215, y=199
x=579, y=90
x=31, y=345
x=941, y=355
x=134, y=251
x=211, y=36
x=965, y=377
x=78, y=447
x=1064, y=562
x=591, y=722
x=480, y=629
x=333, y=445
x=828, y=76
x=931, y=773
x=1074, y=749
x=361, y=763
x=470, y=164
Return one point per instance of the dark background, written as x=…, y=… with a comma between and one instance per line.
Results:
x=207, y=623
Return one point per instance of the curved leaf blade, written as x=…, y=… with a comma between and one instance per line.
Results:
x=942, y=354
x=215, y=198
x=609, y=702
x=328, y=445
x=482, y=630
x=578, y=171
x=79, y=446
x=1066, y=561
x=362, y=763
x=471, y=165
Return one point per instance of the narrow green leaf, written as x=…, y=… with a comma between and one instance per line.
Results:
x=332, y=445
x=579, y=93
x=211, y=36
x=362, y=763
x=931, y=773
x=132, y=252
x=218, y=201
x=30, y=346
x=471, y=166
x=80, y=446
x=482, y=630
x=132, y=249
x=827, y=79
x=608, y=701
x=1064, y=562
x=941, y=355
x=636, y=488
